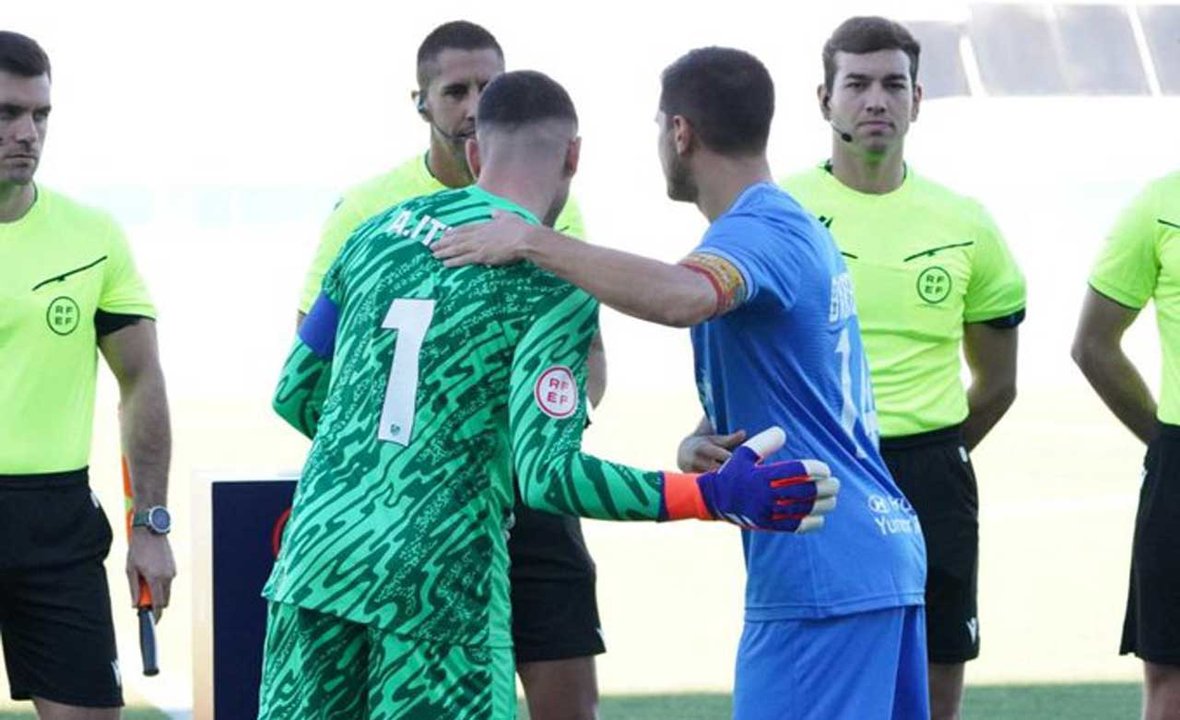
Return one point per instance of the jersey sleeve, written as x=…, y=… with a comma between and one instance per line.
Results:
x=1128, y=266
x=569, y=221
x=303, y=383
x=996, y=289
x=733, y=257
x=345, y=218
x=123, y=290
x=547, y=414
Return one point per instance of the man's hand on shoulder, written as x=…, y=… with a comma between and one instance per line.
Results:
x=499, y=241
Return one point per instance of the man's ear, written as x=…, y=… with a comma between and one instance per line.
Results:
x=419, y=100
x=825, y=101
x=471, y=150
x=573, y=153
x=919, y=92
x=684, y=137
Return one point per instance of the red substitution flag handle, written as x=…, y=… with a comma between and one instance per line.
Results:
x=147, y=620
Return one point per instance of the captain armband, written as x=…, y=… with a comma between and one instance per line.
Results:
x=726, y=279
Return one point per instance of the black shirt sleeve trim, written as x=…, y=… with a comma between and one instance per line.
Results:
x=1005, y=322
x=106, y=323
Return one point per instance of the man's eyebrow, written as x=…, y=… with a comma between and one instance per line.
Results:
x=17, y=108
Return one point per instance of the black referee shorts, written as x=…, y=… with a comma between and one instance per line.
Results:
x=554, y=607
x=55, y=606
x=935, y=473
x=1151, y=629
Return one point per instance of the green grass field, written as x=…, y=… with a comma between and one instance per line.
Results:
x=1097, y=701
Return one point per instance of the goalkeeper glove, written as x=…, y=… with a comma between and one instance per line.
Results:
x=791, y=496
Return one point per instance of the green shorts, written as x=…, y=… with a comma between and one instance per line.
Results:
x=319, y=665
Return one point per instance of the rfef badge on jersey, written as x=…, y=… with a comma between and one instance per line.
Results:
x=556, y=392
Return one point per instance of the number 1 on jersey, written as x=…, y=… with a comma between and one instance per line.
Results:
x=410, y=318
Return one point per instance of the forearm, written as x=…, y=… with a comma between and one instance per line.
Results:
x=1117, y=381
x=986, y=404
x=578, y=484
x=302, y=389
x=641, y=287
x=146, y=436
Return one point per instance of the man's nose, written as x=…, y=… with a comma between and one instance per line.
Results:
x=25, y=130
x=876, y=99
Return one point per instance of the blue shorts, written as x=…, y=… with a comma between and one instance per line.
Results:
x=868, y=665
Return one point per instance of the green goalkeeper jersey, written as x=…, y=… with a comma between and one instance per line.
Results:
x=424, y=388
x=410, y=179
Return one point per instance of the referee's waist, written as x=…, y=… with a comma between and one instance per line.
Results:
x=1171, y=432
x=946, y=435
x=40, y=481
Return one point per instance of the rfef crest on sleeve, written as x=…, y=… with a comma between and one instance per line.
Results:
x=556, y=392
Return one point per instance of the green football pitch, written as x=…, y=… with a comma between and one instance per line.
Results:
x=1098, y=701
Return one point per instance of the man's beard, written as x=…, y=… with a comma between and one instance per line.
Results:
x=680, y=183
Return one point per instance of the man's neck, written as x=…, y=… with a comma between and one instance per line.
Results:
x=519, y=187
x=875, y=174
x=448, y=168
x=721, y=179
x=15, y=200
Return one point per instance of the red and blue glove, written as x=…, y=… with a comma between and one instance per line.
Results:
x=791, y=496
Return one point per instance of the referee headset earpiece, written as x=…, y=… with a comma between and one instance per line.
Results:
x=421, y=104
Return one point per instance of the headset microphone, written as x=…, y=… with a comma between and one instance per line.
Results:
x=844, y=135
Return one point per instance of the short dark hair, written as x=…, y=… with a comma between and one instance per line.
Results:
x=867, y=34
x=726, y=94
x=21, y=55
x=454, y=35
x=522, y=97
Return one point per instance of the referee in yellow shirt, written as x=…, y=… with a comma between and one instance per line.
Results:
x=68, y=290
x=555, y=626
x=1141, y=262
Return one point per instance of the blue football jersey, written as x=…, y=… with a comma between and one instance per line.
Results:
x=788, y=353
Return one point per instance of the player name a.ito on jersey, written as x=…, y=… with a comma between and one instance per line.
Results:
x=427, y=228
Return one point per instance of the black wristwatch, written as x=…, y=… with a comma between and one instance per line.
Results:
x=156, y=519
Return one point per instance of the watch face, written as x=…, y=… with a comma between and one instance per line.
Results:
x=159, y=519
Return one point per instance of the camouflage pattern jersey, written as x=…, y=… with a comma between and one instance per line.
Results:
x=423, y=388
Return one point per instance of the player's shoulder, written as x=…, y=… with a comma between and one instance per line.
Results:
x=59, y=205
x=1163, y=191
x=764, y=204
x=805, y=182
x=72, y=220
x=409, y=179
x=933, y=202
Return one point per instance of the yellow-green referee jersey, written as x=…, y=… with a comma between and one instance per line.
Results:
x=410, y=179
x=924, y=261
x=1141, y=261
x=65, y=267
